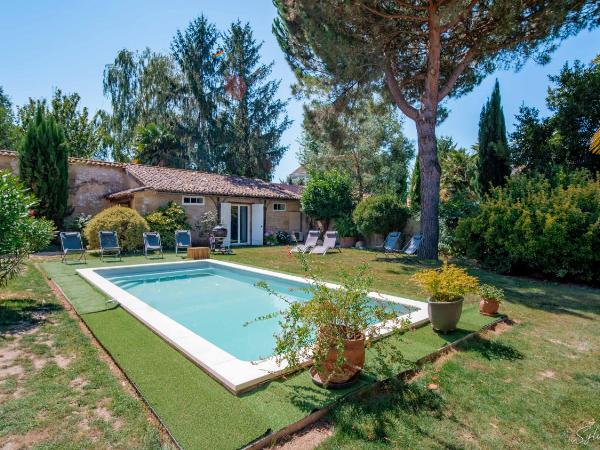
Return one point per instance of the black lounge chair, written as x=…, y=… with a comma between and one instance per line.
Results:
x=183, y=240
x=70, y=242
x=109, y=244
x=152, y=243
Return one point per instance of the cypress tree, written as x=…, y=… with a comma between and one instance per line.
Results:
x=494, y=156
x=43, y=165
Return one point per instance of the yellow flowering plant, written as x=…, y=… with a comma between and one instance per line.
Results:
x=446, y=284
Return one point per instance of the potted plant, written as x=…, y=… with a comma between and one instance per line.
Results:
x=491, y=297
x=446, y=288
x=331, y=327
x=347, y=231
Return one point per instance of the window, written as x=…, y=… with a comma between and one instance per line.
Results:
x=278, y=206
x=192, y=200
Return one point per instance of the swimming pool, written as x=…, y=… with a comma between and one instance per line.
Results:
x=201, y=307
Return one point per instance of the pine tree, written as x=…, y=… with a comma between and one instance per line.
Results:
x=43, y=165
x=253, y=118
x=494, y=156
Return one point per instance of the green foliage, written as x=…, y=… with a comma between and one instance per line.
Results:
x=534, y=224
x=254, y=118
x=166, y=221
x=380, y=214
x=127, y=222
x=208, y=220
x=446, y=284
x=327, y=195
x=561, y=140
x=20, y=232
x=490, y=292
x=157, y=146
x=494, y=156
x=43, y=165
x=345, y=226
x=8, y=129
x=309, y=329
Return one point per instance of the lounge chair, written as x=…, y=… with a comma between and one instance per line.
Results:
x=70, y=242
x=183, y=240
x=413, y=245
x=392, y=241
x=329, y=243
x=109, y=243
x=152, y=243
x=309, y=243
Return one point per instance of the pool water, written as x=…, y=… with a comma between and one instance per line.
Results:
x=216, y=303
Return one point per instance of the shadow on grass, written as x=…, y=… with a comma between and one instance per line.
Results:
x=493, y=350
x=22, y=315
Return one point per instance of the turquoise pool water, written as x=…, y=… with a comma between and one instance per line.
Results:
x=215, y=302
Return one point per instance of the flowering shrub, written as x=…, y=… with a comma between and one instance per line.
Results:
x=283, y=237
x=270, y=238
x=447, y=284
x=166, y=221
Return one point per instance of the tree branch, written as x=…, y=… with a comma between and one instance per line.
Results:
x=395, y=16
x=409, y=6
x=458, y=70
x=459, y=17
x=404, y=106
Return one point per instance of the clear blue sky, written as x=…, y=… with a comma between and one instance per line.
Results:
x=67, y=43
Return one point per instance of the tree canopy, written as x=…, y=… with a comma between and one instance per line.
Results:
x=327, y=195
x=416, y=54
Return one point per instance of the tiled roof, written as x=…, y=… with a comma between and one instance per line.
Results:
x=73, y=160
x=166, y=179
x=300, y=170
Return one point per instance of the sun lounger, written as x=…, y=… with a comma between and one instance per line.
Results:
x=392, y=242
x=413, y=245
x=183, y=240
x=70, y=242
x=309, y=243
x=152, y=243
x=109, y=244
x=329, y=243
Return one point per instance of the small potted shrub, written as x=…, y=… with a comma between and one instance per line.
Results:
x=270, y=238
x=491, y=297
x=331, y=328
x=446, y=288
x=347, y=231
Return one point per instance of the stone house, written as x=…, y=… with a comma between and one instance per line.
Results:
x=247, y=207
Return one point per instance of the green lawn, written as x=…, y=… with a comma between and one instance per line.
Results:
x=533, y=385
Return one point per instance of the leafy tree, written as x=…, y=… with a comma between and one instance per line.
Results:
x=380, y=214
x=561, y=140
x=8, y=129
x=20, y=232
x=43, y=165
x=254, y=119
x=157, y=146
x=494, y=156
x=418, y=53
x=327, y=195
x=364, y=139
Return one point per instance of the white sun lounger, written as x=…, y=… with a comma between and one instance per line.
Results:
x=309, y=243
x=329, y=243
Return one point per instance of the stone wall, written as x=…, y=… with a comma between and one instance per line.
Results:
x=9, y=163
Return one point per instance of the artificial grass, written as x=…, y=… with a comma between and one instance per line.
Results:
x=197, y=410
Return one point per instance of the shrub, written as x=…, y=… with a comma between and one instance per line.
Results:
x=327, y=195
x=166, y=221
x=283, y=237
x=208, y=220
x=538, y=225
x=446, y=284
x=127, y=222
x=20, y=233
x=345, y=226
x=380, y=214
x=489, y=292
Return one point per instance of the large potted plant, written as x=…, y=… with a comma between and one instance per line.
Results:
x=491, y=297
x=446, y=288
x=332, y=327
x=347, y=230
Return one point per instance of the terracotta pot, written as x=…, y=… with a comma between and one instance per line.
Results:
x=354, y=355
x=444, y=316
x=347, y=242
x=488, y=307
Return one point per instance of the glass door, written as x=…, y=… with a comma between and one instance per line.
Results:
x=239, y=224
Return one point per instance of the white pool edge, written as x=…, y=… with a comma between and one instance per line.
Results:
x=236, y=375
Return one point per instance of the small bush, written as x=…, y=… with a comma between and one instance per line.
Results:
x=447, y=284
x=283, y=237
x=327, y=195
x=166, y=221
x=127, y=222
x=20, y=232
x=380, y=214
x=345, y=226
x=538, y=225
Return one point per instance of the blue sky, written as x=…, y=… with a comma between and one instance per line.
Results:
x=66, y=44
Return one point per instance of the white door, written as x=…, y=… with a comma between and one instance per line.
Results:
x=226, y=220
x=257, y=223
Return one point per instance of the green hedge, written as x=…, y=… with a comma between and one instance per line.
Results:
x=166, y=221
x=538, y=225
x=127, y=222
x=380, y=214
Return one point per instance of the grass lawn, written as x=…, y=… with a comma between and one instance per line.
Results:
x=55, y=392
x=533, y=385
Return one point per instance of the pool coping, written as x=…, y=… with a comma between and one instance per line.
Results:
x=235, y=375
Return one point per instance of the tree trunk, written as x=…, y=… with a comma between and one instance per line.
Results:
x=430, y=186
